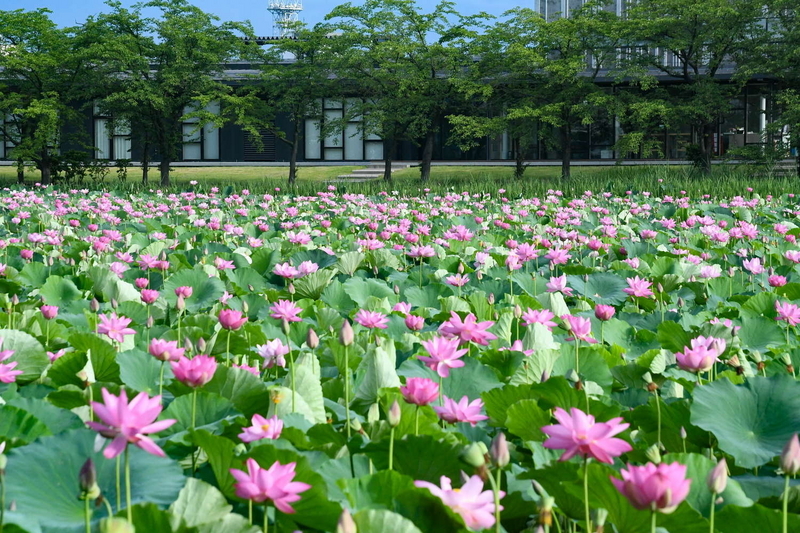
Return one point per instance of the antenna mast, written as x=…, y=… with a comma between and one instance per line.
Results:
x=284, y=14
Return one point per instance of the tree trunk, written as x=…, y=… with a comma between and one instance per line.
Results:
x=389, y=151
x=20, y=171
x=46, y=168
x=164, y=168
x=145, y=162
x=427, y=156
x=797, y=157
x=296, y=137
x=519, y=158
x=566, y=150
x=706, y=148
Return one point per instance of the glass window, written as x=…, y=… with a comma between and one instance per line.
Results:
x=312, y=148
x=353, y=142
x=101, y=139
x=333, y=139
x=374, y=150
x=333, y=154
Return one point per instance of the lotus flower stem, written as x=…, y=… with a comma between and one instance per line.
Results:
x=294, y=386
x=711, y=512
x=109, y=510
x=658, y=416
x=87, y=515
x=416, y=421
x=128, y=485
x=47, y=334
x=180, y=341
x=119, y=484
x=577, y=355
x=250, y=511
x=441, y=394
x=2, y=498
x=161, y=382
x=786, y=504
x=586, y=493
x=391, y=448
x=266, y=518
x=194, y=422
x=347, y=391
x=228, y=352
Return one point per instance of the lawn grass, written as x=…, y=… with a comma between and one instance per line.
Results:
x=236, y=175
x=726, y=180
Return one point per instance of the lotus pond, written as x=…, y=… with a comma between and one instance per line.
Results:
x=233, y=362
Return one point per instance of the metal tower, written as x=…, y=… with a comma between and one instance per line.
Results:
x=284, y=14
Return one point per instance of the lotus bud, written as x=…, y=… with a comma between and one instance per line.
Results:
x=683, y=433
x=150, y=321
x=374, y=413
x=717, y=478
x=250, y=288
x=245, y=307
x=475, y=454
x=291, y=288
x=460, y=269
x=114, y=303
x=187, y=344
x=394, y=414
x=653, y=454
x=491, y=298
x=517, y=311
x=396, y=289
x=546, y=511
x=14, y=300
x=94, y=305
x=499, y=451
x=116, y=525
x=312, y=340
x=180, y=304
x=538, y=489
x=346, y=524
x=346, y=333
x=680, y=302
x=87, y=478
x=479, y=275
x=201, y=345
x=790, y=458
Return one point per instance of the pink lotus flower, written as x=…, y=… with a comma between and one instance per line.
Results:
x=404, y=308
x=49, y=312
x=286, y=310
x=420, y=391
x=604, y=312
x=471, y=502
x=754, y=266
x=789, y=313
x=559, y=284
x=114, y=327
x=463, y=411
x=793, y=256
x=54, y=356
x=129, y=422
x=540, y=316
x=262, y=428
x=231, y=320
x=286, y=270
x=579, y=327
x=776, y=281
x=414, y=323
x=184, y=292
x=194, y=372
x=657, y=488
x=307, y=267
x=638, y=287
x=149, y=296
x=372, y=319
x=420, y=252
x=579, y=434
x=273, y=353
x=702, y=354
x=274, y=484
x=252, y=369
x=444, y=355
x=457, y=281
x=165, y=350
x=7, y=372
x=222, y=264
x=468, y=330
x=142, y=283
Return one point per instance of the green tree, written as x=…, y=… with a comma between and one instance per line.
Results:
x=167, y=68
x=401, y=61
x=546, y=72
x=45, y=73
x=780, y=56
x=295, y=77
x=693, y=42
